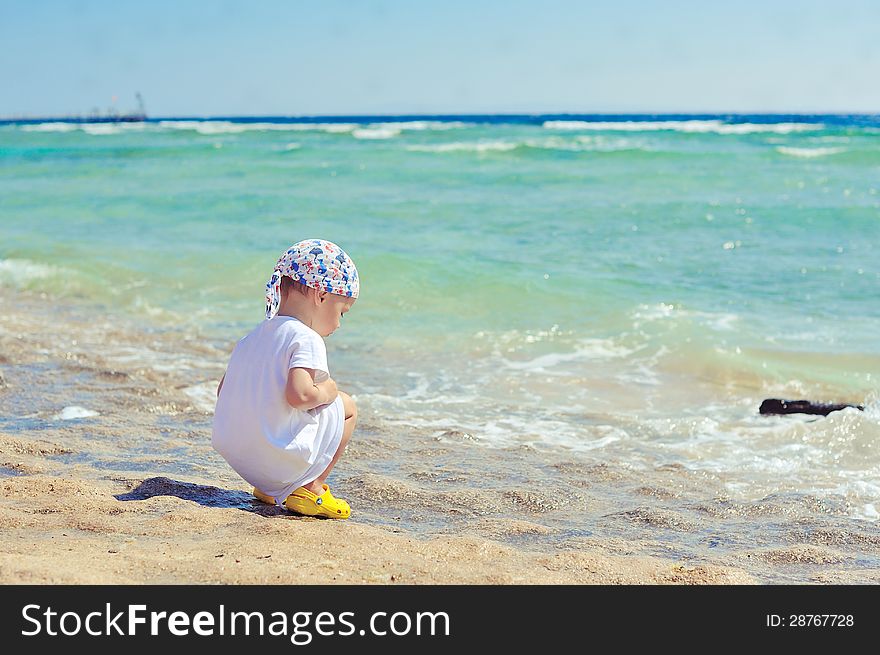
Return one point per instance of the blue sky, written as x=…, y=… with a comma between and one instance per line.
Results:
x=261, y=57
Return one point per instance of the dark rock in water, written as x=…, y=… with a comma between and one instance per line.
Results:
x=778, y=406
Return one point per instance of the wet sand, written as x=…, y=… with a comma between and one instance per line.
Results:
x=134, y=493
x=69, y=531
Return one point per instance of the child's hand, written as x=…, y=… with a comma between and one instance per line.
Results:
x=305, y=394
x=328, y=386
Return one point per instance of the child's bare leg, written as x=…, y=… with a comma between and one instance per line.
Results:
x=316, y=486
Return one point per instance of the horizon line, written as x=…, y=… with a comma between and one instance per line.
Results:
x=86, y=117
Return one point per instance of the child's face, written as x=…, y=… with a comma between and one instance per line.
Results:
x=330, y=312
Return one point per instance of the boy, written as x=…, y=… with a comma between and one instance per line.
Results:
x=280, y=421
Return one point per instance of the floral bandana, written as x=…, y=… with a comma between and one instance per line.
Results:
x=316, y=263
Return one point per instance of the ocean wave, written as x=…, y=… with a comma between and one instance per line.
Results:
x=578, y=144
x=329, y=128
x=384, y=130
x=586, y=350
x=516, y=338
x=228, y=127
x=692, y=126
x=97, y=129
x=828, y=139
x=465, y=146
x=808, y=152
x=587, y=144
x=102, y=129
x=50, y=127
x=721, y=321
x=654, y=312
x=18, y=272
x=437, y=126
x=375, y=133
x=391, y=129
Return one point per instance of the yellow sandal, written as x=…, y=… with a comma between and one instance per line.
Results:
x=303, y=501
x=259, y=495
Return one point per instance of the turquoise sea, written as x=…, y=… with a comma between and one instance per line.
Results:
x=631, y=286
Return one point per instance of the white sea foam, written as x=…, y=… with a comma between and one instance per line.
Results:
x=391, y=129
x=809, y=152
x=423, y=125
x=515, y=429
x=514, y=338
x=654, y=312
x=720, y=321
x=465, y=146
x=330, y=128
x=375, y=133
x=580, y=143
x=74, y=411
x=204, y=395
x=49, y=127
x=868, y=512
x=872, y=406
x=227, y=127
x=585, y=143
x=615, y=434
x=588, y=349
x=829, y=139
x=101, y=129
x=692, y=126
x=171, y=362
x=18, y=272
x=641, y=374
x=774, y=128
x=371, y=131
x=857, y=484
x=556, y=143
x=96, y=129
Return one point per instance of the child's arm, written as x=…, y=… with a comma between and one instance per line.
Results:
x=303, y=393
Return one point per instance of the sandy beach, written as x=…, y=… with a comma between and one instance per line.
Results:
x=94, y=537
x=107, y=476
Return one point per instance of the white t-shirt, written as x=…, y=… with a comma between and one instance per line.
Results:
x=274, y=446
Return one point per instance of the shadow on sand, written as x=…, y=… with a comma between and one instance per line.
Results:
x=203, y=495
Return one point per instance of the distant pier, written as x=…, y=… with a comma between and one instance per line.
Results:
x=122, y=118
x=111, y=116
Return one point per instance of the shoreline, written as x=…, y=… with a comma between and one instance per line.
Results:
x=100, y=539
x=133, y=494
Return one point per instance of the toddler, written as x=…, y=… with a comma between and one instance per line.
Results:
x=280, y=421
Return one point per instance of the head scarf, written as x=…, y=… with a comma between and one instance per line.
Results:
x=318, y=264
